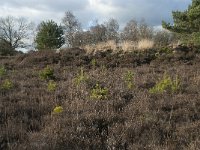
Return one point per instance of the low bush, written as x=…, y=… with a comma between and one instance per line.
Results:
x=51, y=86
x=99, y=92
x=80, y=77
x=128, y=78
x=7, y=85
x=2, y=71
x=47, y=74
x=166, y=84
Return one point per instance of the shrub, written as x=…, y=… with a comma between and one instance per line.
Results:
x=47, y=73
x=166, y=84
x=81, y=77
x=51, y=86
x=99, y=92
x=166, y=50
x=94, y=62
x=57, y=110
x=7, y=85
x=2, y=71
x=128, y=78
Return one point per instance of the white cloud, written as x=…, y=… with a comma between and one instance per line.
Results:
x=153, y=11
x=102, y=8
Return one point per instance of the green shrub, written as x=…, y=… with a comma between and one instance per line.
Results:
x=163, y=50
x=175, y=84
x=7, y=85
x=94, y=62
x=166, y=84
x=2, y=71
x=81, y=77
x=51, y=86
x=128, y=78
x=99, y=92
x=47, y=73
x=166, y=50
x=58, y=110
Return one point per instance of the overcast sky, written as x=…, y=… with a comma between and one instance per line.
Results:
x=153, y=11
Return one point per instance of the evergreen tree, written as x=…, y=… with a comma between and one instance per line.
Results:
x=6, y=48
x=186, y=23
x=49, y=36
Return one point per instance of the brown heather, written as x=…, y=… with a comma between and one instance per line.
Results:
x=127, y=119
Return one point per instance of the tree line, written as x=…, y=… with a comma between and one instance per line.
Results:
x=50, y=35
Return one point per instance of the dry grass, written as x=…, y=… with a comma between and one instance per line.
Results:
x=128, y=46
x=125, y=46
x=145, y=44
x=102, y=46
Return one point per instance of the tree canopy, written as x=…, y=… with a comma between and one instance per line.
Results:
x=186, y=22
x=49, y=36
x=71, y=27
x=13, y=32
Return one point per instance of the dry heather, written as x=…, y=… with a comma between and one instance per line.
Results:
x=96, y=108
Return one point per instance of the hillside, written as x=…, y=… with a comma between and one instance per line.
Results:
x=72, y=100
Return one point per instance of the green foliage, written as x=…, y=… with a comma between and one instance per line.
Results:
x=175, y=85
x=7, y=85
x=186, y=23
x=49, y=36
x=51, y=86
x=81, y=77
x=128, y=78
x=58, y=110
x=2, y=71
x=163, y=50
x=47, y=73
x=94, y=62
x=6, y=48
x=166, y=84
x=99, y=93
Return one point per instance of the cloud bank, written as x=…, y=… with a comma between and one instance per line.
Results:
x=153, y=11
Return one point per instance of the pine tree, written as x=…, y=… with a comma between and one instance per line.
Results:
x=186, y=23
x=49, y=36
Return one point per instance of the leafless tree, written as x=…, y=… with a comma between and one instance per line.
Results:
x=164, y=38
x=112, y=28
x=71, y=26
x=87, y=38
x=130, y=31
x=14, y=31
x=145, y=31
x=98, y=33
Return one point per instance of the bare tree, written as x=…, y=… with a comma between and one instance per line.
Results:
x=14, y=31
x=87, y=38
x=98, y=32
x=112, y=28
x=130, y=31
x=71, y=26
x=164, y=38
x=145, y=31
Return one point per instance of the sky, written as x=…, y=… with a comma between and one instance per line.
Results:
x=87, y=11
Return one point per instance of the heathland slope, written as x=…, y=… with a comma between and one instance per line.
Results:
x=71, y=100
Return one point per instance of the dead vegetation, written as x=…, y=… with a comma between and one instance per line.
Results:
x=121, y=118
